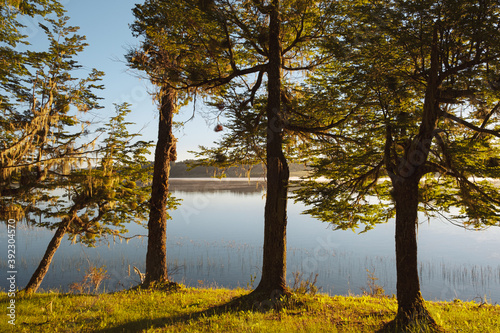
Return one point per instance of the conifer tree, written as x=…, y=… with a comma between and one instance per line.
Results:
x=41, y=122
x=45, y=147
x=416, y=89
x=11, y=37
x=215, y=44
x=99, y=199
x=158, y=64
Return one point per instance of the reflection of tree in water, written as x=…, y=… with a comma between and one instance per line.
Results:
x=217, y=185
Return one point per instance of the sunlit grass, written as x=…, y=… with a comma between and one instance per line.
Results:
x=208, y=310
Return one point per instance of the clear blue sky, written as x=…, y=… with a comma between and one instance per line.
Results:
x=105, y=23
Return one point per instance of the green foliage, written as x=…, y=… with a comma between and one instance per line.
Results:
x=48, y=165
x=243, y=141
x=13, y=66
x=222, y=48
x=175, y=33
x=32, y=7
x=241, y=60
x=41, y=118
x=210, y=43
x=415, y=91
x=112, y=190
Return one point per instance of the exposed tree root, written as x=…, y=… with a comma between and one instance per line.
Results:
x=167, y=286
x=419, y=321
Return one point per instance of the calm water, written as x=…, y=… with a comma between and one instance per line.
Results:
x=215, y=238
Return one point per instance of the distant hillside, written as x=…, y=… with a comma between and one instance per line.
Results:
x=180, y=170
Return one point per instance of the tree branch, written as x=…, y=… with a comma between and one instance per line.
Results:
x=390, y=167
x=230, y=48
x=469, y=125
x=488, y=116
x=255, y=87
x=245, y=29
x=216, y=82
x=431, y=167
x=298, y=36
x=465, y=65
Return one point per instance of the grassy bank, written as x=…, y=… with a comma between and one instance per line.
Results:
x=213, y=310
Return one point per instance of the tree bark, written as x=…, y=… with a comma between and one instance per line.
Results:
x=411, y=308
x=405, y=181
x=156, y=257
x=43, y=267
x=273, y=278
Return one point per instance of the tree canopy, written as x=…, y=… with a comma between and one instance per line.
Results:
x=41, y=124
x=397, y=112
x=219, y=46
x=416, y=86
x=391, y=132
x=94, y=203
x=56, y=170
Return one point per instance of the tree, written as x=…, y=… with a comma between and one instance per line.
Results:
x=40, y=116
x=13, y=65
x=222, y=43
x=11, y=36
x=417, y=86
x=158, y=65
x=44, y=144
x=151, y=61
x=100, y=198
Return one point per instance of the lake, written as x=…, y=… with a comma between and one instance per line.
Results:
x=215, y=239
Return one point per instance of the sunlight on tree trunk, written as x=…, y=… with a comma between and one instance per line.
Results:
x=156, y=257
x=275, y=216
x=411, y=306
x=43, y=266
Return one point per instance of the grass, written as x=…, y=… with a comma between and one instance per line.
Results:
x=215, y=310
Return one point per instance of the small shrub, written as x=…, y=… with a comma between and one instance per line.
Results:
x=91, y=281
x=250, y=284
x=302, y=287
x=373, y=289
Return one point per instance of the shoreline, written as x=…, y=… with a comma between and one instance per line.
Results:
x=249, y=185
x=246, y=185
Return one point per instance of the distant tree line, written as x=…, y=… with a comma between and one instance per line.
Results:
x=191, y=169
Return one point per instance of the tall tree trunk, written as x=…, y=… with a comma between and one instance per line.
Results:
x=411, y=308
x=43, y=267
x=156, y=257
x=405, y=172
x=273, y=278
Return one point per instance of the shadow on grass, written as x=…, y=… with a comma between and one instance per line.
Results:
x=249, y=302
x=394, y=327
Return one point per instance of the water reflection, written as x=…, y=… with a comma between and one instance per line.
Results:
x=215, y=238
x=211, y=185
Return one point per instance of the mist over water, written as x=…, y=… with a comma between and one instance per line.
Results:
x=215, y=239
